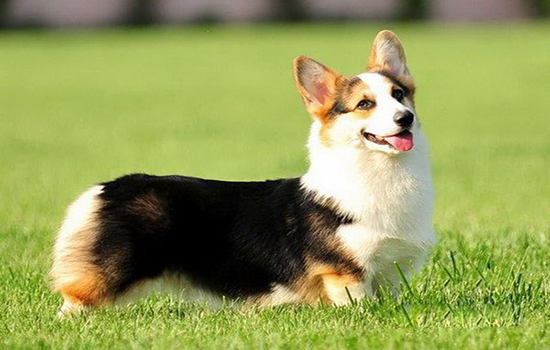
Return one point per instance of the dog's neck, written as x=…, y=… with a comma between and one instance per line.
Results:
x=363, y=183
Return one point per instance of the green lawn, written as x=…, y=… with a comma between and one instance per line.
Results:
x=83, y=107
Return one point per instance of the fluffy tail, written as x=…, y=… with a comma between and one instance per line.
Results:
x=74, y=273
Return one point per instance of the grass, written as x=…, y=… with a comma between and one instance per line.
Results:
x=219, y=102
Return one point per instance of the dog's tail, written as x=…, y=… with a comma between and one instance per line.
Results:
x=74, y=273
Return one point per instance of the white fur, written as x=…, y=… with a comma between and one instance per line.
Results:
x=279, y=295
x=182, y=288
x=172, y=284
x=77, y=217
x=339, y=295
x=75, y=234
x=381, y=121
x=388, y=193
x=70, y=309
x=347, y=129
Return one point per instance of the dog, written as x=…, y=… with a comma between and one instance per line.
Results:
x=359, y=220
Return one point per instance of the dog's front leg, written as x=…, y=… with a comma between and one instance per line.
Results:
x=343, y=289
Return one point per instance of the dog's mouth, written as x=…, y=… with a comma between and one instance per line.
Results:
x=402, y=141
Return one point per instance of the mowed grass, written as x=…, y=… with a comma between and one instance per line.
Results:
x=78, y=108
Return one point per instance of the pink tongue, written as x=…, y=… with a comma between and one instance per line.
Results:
x=402, y=141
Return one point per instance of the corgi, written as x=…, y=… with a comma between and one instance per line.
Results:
x=333, y=235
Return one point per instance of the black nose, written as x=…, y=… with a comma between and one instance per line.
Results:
x=404, y=119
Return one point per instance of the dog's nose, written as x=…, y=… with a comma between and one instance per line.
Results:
x=404, y=119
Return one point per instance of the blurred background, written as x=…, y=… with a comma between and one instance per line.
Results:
x=93, y=13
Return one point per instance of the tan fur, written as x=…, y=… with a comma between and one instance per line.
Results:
x=343, y=289
x=87, y=289
x=328, y=278
x=339, y=279
x=335, y=284
x=322, y=283
x=313, y=291
x=384, y=50
x=74, y=274
x=330, y=79
x=149, y=206
x=348, y=96
x=346, y=92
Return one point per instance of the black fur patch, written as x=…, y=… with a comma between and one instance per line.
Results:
x=395, y=81
x=340, y=106
x=233, y=238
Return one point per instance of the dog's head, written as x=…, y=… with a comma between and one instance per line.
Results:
x=373, y=110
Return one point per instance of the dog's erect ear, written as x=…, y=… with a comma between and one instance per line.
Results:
x=316, y=83
x=387, y=55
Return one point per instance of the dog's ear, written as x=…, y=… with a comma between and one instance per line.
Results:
x=387, y=55
x=316, y=83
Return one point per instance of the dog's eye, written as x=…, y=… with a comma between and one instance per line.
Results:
x=398, y=94
x=365, y=104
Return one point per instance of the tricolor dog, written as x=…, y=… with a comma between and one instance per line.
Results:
x=333, y=235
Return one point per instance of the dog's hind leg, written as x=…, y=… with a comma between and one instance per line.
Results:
x=342, y=289
x=84, y=293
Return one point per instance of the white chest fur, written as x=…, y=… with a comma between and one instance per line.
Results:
x=389, y=196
